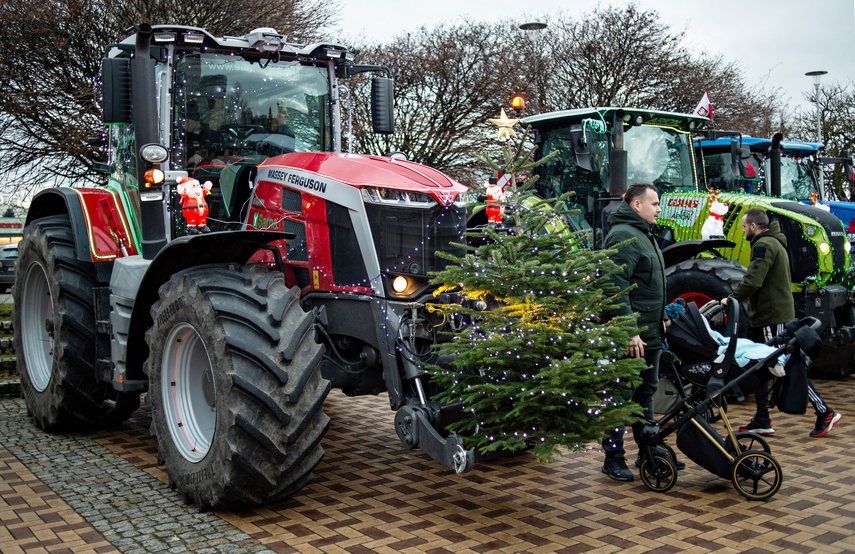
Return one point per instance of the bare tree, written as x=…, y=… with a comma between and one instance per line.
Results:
x=836, y=104
x=50, y=55
x=448, y=82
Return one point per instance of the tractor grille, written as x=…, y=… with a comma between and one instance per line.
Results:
x=407, y=238
x=804, y=259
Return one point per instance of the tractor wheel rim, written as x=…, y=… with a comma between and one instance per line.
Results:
x=698, y=298
x=187, y=389
x=37, y=326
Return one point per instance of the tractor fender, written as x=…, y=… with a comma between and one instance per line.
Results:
x=688, y=249
x=183, y=253
x=100, y=225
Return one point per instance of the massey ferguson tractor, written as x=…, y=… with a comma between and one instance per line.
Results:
x=601, y=150
x=306, y=270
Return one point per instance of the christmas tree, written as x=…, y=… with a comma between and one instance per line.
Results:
x=539, y=366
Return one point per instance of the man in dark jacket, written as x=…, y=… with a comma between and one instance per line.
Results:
x=767, y=294
x=644, y=267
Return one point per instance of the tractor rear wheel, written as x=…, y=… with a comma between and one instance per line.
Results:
x=54, y=320
x=235, y=386
x=700, y=280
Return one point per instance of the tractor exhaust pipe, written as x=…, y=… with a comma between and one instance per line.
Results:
x=775, y=165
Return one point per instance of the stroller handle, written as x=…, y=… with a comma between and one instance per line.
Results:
x=721, y=365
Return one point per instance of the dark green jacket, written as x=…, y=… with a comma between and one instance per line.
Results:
x=766, y=290
x=643, y=266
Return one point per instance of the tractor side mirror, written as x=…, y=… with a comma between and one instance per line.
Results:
x=382, y=105
x=116, y=90
x=739, y=156
x=848, y=169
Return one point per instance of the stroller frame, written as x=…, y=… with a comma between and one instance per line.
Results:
x=744, y=458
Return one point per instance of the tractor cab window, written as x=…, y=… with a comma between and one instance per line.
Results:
x=580, y=166
x=798, y=178
x=228, y=106
x=716, y=172
x=231, y=114
x=124, y=168
x=660, y=156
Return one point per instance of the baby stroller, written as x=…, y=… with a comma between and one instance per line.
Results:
x=744, y=458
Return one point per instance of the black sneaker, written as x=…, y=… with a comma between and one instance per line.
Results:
x=617, y=470
x=679, y=464
x=825, y=423
x=762, y=428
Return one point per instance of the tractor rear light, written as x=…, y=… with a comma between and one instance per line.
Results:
x=334, y=54
x=164, y=37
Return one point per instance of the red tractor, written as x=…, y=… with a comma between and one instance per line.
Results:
x=314, y=273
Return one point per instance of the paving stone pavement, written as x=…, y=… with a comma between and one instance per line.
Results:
x=103, y=492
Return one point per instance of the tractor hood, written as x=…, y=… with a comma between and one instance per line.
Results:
x=359, y=171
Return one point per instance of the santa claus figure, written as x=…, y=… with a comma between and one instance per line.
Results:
x=193, y=205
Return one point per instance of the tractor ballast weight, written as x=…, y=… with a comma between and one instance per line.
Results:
x=314, y=274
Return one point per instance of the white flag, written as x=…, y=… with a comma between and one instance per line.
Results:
x=704, y=108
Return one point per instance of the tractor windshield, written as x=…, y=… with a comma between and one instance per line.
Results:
x=798, y=174
x=226, y=106
x=798, y=177
x=660, y=156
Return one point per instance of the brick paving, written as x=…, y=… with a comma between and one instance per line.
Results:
x=103, y=492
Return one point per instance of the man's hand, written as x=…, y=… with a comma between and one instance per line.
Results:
x=635, y=349
x=724, y=301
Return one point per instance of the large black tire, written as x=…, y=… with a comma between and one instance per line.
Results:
x=235, y=385
x=54, y=320
x=703, y=279
x=700, y=280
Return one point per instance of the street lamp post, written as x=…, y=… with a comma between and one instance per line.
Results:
x=532, y=31
x=817, y=79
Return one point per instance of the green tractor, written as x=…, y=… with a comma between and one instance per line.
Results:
x=601, y=150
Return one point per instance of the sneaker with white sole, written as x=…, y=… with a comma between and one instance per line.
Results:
x=761, y=428
x=825, y=423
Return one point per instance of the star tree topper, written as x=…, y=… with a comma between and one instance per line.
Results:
x=505, y=125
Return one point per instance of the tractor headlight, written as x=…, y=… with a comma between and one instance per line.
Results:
x=400, y=284
x=153, y=153
x=824, y=248
x=847, y=246
x=810, y=231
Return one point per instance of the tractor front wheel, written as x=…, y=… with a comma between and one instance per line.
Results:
x=235, y=386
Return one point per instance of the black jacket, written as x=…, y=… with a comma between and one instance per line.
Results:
x=766, y=290
x=643, y=266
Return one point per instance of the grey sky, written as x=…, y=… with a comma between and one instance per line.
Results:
x=775, y=41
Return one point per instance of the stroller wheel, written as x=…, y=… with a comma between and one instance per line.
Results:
x=748, y=441
x=756, y=475
x=660, y=473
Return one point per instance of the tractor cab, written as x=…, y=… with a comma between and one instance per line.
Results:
x=602, y=150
